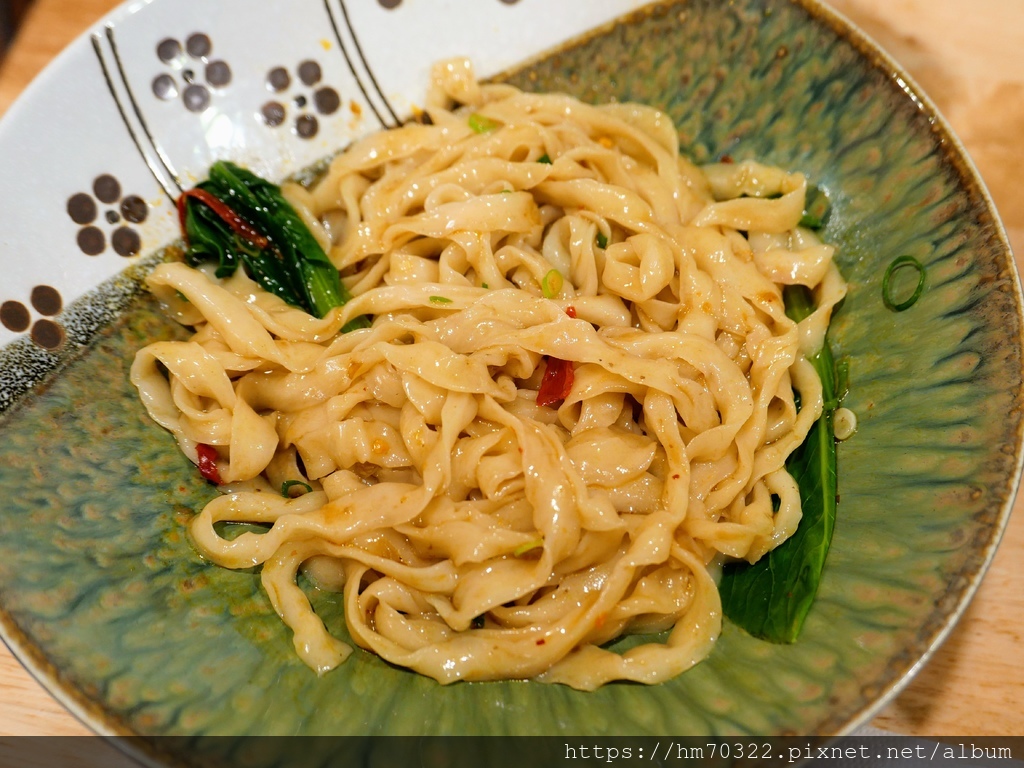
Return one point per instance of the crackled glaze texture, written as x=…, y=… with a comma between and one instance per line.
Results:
x=99, y=585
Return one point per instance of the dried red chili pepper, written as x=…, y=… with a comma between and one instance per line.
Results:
x=558, y=376
x=557, y=382
x=208, y=463
x=228, y=215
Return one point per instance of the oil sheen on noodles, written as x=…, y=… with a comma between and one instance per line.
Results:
x=474, y=534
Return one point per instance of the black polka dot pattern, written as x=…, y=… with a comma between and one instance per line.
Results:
x=305, y=92
x=17, y=317
x=198, y=45
x=194, y=74
x=107, y=209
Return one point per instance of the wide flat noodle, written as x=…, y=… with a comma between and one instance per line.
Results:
x=475, y=534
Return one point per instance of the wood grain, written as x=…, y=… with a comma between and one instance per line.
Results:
x=971, y=63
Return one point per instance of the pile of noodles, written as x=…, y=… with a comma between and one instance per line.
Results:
x=474, y=534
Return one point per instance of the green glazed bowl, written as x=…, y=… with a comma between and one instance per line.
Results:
x=103, y=598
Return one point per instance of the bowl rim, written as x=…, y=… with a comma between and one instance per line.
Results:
x=955, y=153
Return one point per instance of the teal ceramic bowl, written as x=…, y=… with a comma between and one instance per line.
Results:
x=101, y=594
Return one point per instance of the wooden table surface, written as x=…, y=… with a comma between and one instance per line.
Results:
x=972, y=65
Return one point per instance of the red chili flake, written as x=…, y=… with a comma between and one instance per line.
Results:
x=558, y=376
x=675, y=476
x=228, y=215
x=541, y=641
x=208, y=463
x=557, y=382
x=727, y=159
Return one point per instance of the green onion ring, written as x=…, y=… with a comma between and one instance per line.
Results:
x=551, y=285
x=898, y=263
x=287, y=486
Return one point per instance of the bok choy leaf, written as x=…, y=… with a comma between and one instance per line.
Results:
x=237, y=218
x=771, y=598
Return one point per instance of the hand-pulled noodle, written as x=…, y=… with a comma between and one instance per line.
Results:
x=475, y=534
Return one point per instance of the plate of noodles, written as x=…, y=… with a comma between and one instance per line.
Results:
x=593, y=368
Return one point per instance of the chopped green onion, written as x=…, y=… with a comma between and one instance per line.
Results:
x=602, y=240
x=440, y=300
x=522, y=549
x=545, y=158
x=484, y=285
x=816, y=208
x=480, y=124
x=287, y=485
x=897, y=264
x=551, y=285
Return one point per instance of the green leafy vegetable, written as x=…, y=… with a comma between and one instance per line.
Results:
x=770, y=599
x=899, y=263
x=237, y=218
x=816, y=208
x=842, y=379
x=545, y=158
x=602, y=240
